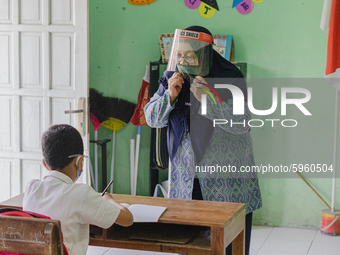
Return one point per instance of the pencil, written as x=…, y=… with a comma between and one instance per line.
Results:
x=107, y=187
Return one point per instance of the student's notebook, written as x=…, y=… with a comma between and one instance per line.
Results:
x=145, y=213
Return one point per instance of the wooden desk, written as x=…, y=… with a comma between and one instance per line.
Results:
x=226, y=222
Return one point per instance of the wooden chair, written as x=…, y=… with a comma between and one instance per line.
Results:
x=30, y=236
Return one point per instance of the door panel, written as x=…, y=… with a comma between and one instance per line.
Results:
x=30, y=58
x=5, y=11
x=41, y=77
x=5, y=178
x=58, y=114
x=61, y=12
x=62, y=60
x=30, y=11
x=31, y=169
x=31, y=124
x=6, y=123
x=5, y=52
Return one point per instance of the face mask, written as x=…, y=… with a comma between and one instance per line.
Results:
x=188, y=72
x=78, y=171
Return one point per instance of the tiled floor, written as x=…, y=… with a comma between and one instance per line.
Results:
x=265, y=241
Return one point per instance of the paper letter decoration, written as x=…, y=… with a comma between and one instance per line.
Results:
x=192, y=4
x=206, y=11
x=245, y=7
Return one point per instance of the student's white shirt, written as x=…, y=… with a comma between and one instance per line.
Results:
x=75, y=205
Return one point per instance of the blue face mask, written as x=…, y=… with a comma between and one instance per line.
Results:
x=78, y=157
x=78, y=171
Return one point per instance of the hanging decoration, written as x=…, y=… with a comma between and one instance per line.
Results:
x=206, y=11
x=207, y=8
x=211, y=3
x=141, y=2
x=192, y=4
x=236, y=2
x=245, y=7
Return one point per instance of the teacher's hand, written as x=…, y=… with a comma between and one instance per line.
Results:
x=175, y=86
x=197, y=88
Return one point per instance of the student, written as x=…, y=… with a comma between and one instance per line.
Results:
x=194, y=142
x=57, y=195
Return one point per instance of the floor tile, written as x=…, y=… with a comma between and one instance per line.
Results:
x=322, y=248
x=288, y=246
x=296, y=234
x=258, y=235
x=253, y=252
x=261, y=231
x=96, y=250
x=256, y=242
x=327, y=239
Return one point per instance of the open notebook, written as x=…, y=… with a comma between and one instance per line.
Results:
x=145, y=213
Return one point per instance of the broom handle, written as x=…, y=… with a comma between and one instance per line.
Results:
x=313, y=189
x=335, y=150
x=136, y=160
x=113, y=157
x=95, y=181
x=132, y=164
x=92, y=175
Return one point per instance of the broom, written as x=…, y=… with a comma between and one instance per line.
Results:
x=97, y=116
x=119, y=113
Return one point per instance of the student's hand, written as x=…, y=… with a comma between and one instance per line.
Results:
x=125, y=217
x=197, y=87
x=110, y=198
x=175, y=86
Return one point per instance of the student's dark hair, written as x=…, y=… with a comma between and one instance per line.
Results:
x=58, y=143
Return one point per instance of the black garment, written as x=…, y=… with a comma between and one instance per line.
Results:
x=197, y=195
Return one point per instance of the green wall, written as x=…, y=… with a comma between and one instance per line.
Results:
x=279, y=39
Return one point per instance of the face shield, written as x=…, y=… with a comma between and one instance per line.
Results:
x=191, y=53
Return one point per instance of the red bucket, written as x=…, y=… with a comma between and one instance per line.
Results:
x=330, y=222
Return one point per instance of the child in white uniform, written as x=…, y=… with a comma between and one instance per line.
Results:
x=75, y=205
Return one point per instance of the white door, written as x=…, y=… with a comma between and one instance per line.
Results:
x=43, y=73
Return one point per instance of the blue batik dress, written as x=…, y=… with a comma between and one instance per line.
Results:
x=229, y=147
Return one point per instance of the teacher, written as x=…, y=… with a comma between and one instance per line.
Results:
x=206, y=158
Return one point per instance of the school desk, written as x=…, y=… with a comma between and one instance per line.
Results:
x=226, y=222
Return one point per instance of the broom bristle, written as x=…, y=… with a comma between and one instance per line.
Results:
x=96, y=106
x=104, y=107
x=119, y=109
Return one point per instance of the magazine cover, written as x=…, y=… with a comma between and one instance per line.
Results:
x=224, y=45
x=166, y=44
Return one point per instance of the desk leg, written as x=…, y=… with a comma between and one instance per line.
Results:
x=238, y=244
x=217, y=241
